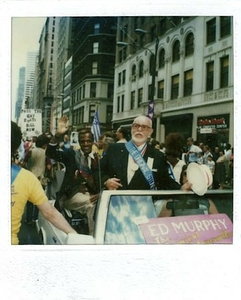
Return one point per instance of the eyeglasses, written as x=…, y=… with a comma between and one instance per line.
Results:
x=143, y=127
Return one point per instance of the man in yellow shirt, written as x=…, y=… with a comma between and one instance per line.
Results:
x=25, y=186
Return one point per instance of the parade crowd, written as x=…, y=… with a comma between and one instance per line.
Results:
x=121, y=159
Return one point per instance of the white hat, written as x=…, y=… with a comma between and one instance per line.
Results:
x=200, y=177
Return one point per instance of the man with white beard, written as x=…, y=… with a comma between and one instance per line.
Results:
x=136, y=165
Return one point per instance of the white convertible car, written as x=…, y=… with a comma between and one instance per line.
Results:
x=132, y=217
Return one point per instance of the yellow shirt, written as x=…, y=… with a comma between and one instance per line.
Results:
x=26, y=187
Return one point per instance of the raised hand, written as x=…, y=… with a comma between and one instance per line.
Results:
x=63, y=125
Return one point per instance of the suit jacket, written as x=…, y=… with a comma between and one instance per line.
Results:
x=115, y=162
x=71, y=183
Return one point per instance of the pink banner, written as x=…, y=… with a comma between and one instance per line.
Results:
x=195, y=229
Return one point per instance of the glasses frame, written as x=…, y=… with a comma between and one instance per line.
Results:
x=142, y=126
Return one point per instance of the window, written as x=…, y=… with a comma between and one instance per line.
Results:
x=140, y=96
x=122, y=102
x=176, y=51
x=224, y=66
x=141, y=69
x=94, y=67
x=123, y=76
x=118, y=103
x=189, y=45
x=110, y=90
x=92, y=89
x=225, y=24
x=188, y=83
x=97, y=28
x=119, y=79
x=209, y=76
x=91, y=113
x=81, y=117
x=84, y=91
x=96, y=47
x=161, y=58
x=133, y=73
x=211, y=31
x=175, y=87
x=109, y=110
x=133, y=100
x=160, y=92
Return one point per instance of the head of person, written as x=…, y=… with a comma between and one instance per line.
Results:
x=190, y=141
x=216, y=149
x=122, y=133
x=141, y=130
x=206, y=148
x=210, y=158
x=42, y=141
x=86, y=140
x=66, y=138
x=228, y=146
x=16, y=138
x=174, y=144
x=107, y=141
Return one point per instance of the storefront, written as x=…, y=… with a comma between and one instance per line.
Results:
x=213, y=130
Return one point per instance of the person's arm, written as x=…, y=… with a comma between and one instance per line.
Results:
x=212, y=208
x=55, y=217
x=164, y=211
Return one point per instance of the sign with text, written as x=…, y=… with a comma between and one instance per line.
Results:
x=194, y=229
x=31, y=122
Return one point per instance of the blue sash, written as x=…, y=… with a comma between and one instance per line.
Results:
x=14, y=172
x=136, y=155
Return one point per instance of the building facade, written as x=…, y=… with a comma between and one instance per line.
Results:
x=30, y=79
x=193, y=75
x=93, y=61
x=20, y=93
x=46, y=73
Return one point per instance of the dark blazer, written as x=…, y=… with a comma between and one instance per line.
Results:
x=71, y=183
x=114, y=164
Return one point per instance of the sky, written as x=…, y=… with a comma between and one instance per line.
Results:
x=25, y=36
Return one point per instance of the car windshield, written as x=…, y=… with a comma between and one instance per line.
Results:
x=135, y=219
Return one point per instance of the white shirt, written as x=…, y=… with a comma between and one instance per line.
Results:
x=132, y=166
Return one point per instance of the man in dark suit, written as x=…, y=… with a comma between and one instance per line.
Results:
x=80, y=185
x=120, y=171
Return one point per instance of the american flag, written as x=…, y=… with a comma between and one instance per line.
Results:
x=95, y=128
x=150, y=113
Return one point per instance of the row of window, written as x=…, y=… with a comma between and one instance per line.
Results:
x=80, y=93
x=175, y=84
x=78, y=115
x=225, y=28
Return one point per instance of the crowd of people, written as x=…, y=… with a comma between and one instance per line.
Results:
x=119, y=160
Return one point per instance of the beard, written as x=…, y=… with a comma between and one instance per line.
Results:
x=138, y=138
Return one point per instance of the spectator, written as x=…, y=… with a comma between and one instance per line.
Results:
x=136, y=164
x=220, y=170
x=193, y=150
x=206, y=153
x=122, y=135
x=37, y=162
x=25, y=186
